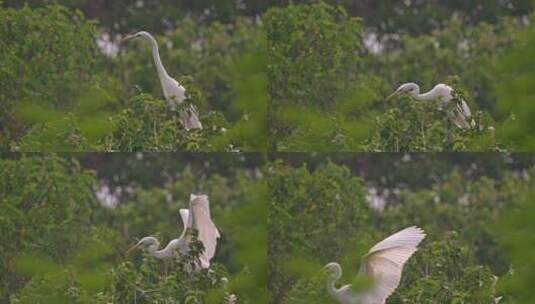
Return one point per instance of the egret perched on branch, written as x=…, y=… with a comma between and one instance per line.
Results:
x=383, y=264
x=173, y=92
x=196, y=217
x=459, y=114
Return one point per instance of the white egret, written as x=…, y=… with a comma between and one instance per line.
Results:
x=173, y=92
x=196, y=217
x=459, y=114
x=383, y=264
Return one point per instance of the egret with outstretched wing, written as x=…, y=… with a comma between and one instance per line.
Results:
x=383, y=264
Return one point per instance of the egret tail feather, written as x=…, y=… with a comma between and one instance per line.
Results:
x=190, y=118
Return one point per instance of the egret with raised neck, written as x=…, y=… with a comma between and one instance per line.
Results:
x=173, y=92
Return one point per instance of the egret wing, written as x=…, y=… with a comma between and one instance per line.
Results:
x=207, y=231
x=384, y=262
x=465, y=109
x=460, y=114
x=186, y=220
x=408, y=237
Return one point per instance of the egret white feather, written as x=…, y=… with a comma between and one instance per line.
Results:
x=207, y=231
x=173, y=92
x=460, y=115
x=196, y=217
x=383, y=264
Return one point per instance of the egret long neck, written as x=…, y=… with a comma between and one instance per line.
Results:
x=428, y=96
x=159, y=254
x=153, y=247
x=331, y=281
x=156, y=55
x=331, y=288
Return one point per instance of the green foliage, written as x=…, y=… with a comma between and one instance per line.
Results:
x=311, y=50
x=46, y=204
x=515, y=231
x=422, y=17
x=445, y=271
x=307, y=212
x=311, y=290
x=149, y=125
x=312, y=53
x=461, y=206
x=414, y=127
x=516, y=93
x=147, y=283
x=387, y=16
x=78, y=279
x=250, y=133
x=155, y=15
x=61, y=135
x=47, y=53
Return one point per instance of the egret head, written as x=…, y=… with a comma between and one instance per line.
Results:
x=409, y=88
x=195, y=199
x=146, y=242
x=135, y=35
x=333, y=270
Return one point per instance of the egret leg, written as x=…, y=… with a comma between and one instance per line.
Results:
x=171, y=264
x=446, y=132
x=422, y=130
x=165, y=267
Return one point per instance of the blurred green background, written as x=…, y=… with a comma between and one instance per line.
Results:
x=476, y=209
x=66, y=221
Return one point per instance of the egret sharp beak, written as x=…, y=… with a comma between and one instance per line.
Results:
x=126, y=38
x=127, y=252
x=393, y=95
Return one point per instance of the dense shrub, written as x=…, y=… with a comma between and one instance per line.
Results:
x=515, y=93
x=307, y=212
x=46, y=205
x=46, y=54
x=415, y=126
x=312, y=54
x=149, y=125
x=515, y=235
